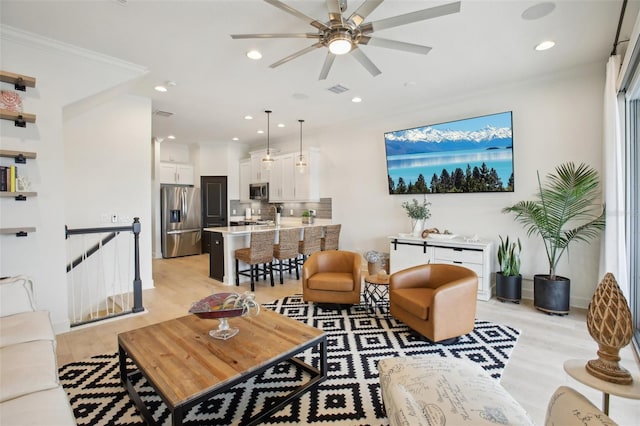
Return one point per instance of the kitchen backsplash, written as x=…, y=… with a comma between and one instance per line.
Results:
x=263, y=209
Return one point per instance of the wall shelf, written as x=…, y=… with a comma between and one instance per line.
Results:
x=19, y=232
x=20, y=82
x=20, y=157
x=20, y=119
x=18, y=195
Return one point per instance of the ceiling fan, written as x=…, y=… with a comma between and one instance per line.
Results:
x=345, y=35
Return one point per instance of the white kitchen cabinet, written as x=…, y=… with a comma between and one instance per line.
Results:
x=286, y=183
x=307, y=184
x=258, y=173
x=477, y=256
x=245, y=177
x=181, y=174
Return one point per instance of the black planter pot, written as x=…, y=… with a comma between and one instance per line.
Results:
x=551, y=296
x=508, y=288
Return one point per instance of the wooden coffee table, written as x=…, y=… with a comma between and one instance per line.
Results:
x=186, y=366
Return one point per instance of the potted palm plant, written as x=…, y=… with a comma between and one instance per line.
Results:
x=566, y=211
x=508, y=279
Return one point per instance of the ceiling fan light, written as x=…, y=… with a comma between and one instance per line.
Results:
x=340, y=43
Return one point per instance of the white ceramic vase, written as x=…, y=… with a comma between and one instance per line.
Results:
x=418, y=227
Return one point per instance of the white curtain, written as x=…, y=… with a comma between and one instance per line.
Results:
x=614, y=256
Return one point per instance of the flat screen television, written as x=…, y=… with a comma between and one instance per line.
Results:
x=469, y=155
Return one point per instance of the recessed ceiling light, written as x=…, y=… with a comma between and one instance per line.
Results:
x=280, y=124
x=260, y=132
x=356, y=99
x=171, y=137
x=248, y=117
x=538, y=11
x=254, y=54
x=164, y=87
x=235, y=139
x=545, y=45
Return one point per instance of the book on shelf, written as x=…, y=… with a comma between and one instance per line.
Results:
x=3, y=178
x=8, y=177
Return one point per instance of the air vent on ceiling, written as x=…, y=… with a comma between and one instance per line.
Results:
x=162, y=113
x=337, y=89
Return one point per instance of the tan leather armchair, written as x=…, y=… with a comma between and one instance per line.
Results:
x=436, y=300
x=332, y=277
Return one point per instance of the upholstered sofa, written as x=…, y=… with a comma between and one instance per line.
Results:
x=30, y=393
x=430, y=390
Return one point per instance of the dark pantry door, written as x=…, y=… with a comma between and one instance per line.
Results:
x=214, y=205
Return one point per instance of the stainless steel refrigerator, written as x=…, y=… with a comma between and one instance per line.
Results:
x=181, y=231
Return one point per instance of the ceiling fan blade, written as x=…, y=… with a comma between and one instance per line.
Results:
x=297, y=54
x=276, y=35
x=408, y=18
x=363, y=11
x=297, y=14
x=328, y=62
x=393, y=44
x=335, y=14
x=365, y=62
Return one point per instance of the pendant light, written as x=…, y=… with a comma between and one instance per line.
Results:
x=301, y=164
x=267, y=160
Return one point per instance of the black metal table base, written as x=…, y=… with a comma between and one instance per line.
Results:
x=376, y=297
x=318, y=375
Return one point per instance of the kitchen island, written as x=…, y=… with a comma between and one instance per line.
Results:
x=226, y=240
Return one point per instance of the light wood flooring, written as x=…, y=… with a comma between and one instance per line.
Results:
x=531, y=376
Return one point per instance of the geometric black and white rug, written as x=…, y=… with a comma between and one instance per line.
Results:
x=356, y=341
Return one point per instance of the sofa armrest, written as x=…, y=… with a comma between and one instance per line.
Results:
x=16, y=295
x=567, y=407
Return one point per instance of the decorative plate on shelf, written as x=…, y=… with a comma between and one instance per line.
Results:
x=10, y=101
x=214, y=306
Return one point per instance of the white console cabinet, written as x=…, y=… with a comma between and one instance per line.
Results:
x=477, y=256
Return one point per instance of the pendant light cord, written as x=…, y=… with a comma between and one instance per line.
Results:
x=268, y=112
x=301, y=121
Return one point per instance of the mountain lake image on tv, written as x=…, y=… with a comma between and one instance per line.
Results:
x=470, y=155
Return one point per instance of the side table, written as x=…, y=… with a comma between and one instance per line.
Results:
x=376, y=292
x=576, y=369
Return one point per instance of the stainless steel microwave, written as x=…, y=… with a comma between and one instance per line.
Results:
x=259, y=191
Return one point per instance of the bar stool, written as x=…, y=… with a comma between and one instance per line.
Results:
x=287, y=249
x=260, y=251
x=310, y=242
x=331, y=237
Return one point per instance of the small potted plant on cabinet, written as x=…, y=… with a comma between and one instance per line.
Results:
x=418, y=214
x=509, y=280
x=566, y=210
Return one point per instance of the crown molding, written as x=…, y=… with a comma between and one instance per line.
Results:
x=18, y=36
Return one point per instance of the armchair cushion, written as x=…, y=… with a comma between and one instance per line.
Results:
x=331, y=281
x=416, y=301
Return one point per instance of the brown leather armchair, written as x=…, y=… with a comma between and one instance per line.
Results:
x=332, y=277
x=436, y=300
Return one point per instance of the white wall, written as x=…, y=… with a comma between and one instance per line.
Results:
x=65, y=75
x=556, y=118
x=108, y=169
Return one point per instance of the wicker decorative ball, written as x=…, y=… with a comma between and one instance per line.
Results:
x=609, y=323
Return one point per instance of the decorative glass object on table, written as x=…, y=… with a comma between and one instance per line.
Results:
x=225, y=305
